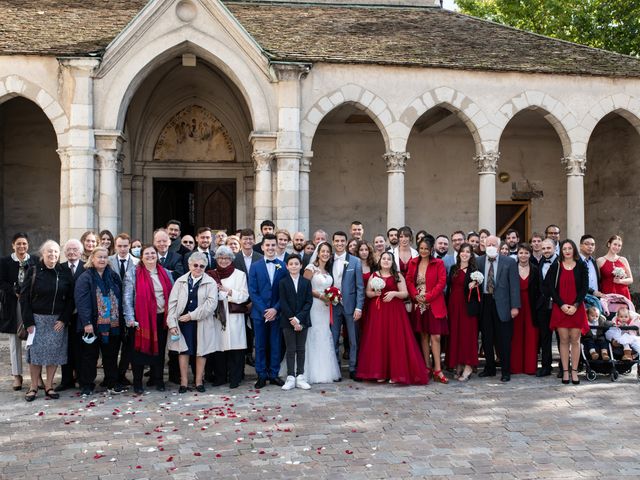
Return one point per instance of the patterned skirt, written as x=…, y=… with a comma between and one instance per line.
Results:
x=49, y=347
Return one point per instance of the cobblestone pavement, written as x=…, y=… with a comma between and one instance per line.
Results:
x=530, y=428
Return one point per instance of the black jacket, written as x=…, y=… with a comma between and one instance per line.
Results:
x=8, y=289
x=174, y=264
x=52, y=293
x=295, y=304
x=552, y=280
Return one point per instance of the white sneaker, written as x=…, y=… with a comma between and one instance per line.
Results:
x=301, y=382
x=290, y=383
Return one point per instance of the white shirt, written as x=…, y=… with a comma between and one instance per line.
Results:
x=338, y=269
x=247, y=260
x=73, y=266
x=487, y=264
x=546, y=265
x=271, y=270
x=593, y=275
x=295, y=281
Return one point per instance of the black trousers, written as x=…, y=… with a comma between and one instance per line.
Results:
x=546, y=336
x=126, y=347
x=227, y=366
x=71, y=370
x=495, y=335
x=88, y=367
x=250, y=335
x=295, y=343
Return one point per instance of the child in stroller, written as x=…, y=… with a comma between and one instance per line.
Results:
x=625, y=337
x=594, y=341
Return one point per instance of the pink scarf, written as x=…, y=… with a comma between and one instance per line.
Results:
x=146, y=340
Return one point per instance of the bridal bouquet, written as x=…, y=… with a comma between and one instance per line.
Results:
x=477, y=277
x=618, y=272
x=377, y=283
x=333, y=294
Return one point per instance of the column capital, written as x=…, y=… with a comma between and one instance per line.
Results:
x=262, y=160
x=487, y=162
x=108, y=159
x=396, y=161
x=305, y=163
x=290, y=71
x=575, y=165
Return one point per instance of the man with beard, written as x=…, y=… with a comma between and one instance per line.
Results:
x=512, y=238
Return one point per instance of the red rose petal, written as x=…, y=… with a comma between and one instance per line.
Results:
x=197, y=454
x=218, y=455
x=97, y=456
x=169, y=459
x=348, y=452
x=138, y=466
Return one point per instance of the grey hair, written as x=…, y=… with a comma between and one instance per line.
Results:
x=224, y=251
x=47, y=244
x=73, y=242
x=197, y=257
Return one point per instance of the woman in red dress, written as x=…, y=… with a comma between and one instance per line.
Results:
x=426, y=281
x=404, y=252
x=463, y=309
x=609, y=282
x=567, y=282
x=388, y=349
x=524, y=343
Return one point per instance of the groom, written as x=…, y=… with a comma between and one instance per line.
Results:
x=264, y=279
x=346, y=271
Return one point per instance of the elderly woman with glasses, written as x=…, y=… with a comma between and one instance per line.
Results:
x=231, y=339
x=192, y=305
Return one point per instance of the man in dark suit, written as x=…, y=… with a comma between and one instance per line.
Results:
x=266, y=227
x=548, y=247
x=72, y=251
x=587, y=247
x=246, y=257
x=264, y=277
x=204, y=237
x=121, y=263
x=500, y=305
x=171, y=261
x=174, y=229
x=295, y=320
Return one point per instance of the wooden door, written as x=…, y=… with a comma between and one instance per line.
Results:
x=174, y=199
x=216, y=204
x=514, y=214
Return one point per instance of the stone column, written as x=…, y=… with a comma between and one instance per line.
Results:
x=303, y=210
x=109, y=144
x=77, y=153
x=263, y=195
x=487, y=164
x=396, y=162
x=575, y=166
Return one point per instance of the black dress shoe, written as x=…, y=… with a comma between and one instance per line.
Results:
x=543, y=372
x=352, y=376
x=124, y=381
x=506, y=377
x=261, y=383
x=234, y=385
x=487, y=373
x=64, y=386
x=276, y=381
x=182, y=389
x=160, y=387
x=200, y=388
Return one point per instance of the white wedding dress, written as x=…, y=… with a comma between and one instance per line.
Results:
x=321, y=364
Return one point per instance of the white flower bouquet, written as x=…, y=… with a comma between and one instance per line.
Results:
x=618, y=272
x=377, y=283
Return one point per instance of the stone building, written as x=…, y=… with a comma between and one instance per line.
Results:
x=121, y=114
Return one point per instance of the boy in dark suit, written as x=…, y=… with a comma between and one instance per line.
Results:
x=295, y=307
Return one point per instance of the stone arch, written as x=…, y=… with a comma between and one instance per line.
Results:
x=453, y=100
x=557, y=114
x=122, y=81
x=624, y=105
x=16, y=86
x=355, y=95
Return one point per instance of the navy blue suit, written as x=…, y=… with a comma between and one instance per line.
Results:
x=264, y=294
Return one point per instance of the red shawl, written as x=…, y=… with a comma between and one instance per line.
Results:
x=146, y=339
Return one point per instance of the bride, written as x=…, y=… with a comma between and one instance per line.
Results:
x=321, y=364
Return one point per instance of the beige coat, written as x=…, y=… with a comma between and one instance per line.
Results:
x=204, y=314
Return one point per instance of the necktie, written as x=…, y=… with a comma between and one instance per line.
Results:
x=206, y=254
x=122, y=268
x=162, y=259
x=73, y=269
x=491, y=280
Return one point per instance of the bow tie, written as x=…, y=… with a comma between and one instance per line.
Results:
x=546, y=260
x=271, y=261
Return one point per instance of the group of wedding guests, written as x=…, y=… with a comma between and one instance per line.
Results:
x=216, y=302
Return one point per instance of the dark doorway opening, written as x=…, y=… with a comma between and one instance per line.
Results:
x=196, y=204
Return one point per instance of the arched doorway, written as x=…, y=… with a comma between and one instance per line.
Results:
x=188, y=152
x=531, y=190
x=29, y=174
x=441, y=180
x=612, y=178
x=348, y=179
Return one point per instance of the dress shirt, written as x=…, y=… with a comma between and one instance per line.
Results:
x=74, y=266
x=271, y=269
x=295, y=281
x=338, y=269
x=546, y=264
x=593, y=275
x=247, y=260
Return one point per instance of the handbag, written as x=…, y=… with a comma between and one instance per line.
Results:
x=21, y=331
x=239, y=307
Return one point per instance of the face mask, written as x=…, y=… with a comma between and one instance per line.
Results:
x=135, y=251
x=89, y=338
x=175, y=338
x=492, y=252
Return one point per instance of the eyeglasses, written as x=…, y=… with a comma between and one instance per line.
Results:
x=197, y=265
x=187, y=241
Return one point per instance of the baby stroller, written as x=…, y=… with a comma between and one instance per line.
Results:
x=609, y=304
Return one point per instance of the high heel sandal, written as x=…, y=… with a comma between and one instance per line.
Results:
x=575, y=382
x=465, y=376
x=17, y=383
x=565, y=382
x=438, y=376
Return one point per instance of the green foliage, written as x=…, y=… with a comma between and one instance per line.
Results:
x=610, y=24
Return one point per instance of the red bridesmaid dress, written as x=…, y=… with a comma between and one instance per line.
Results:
x=524, y=343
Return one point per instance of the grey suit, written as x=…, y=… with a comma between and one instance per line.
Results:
x=495, y=317
x=114, y=261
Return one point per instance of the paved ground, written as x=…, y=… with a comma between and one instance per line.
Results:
x=530, y=428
